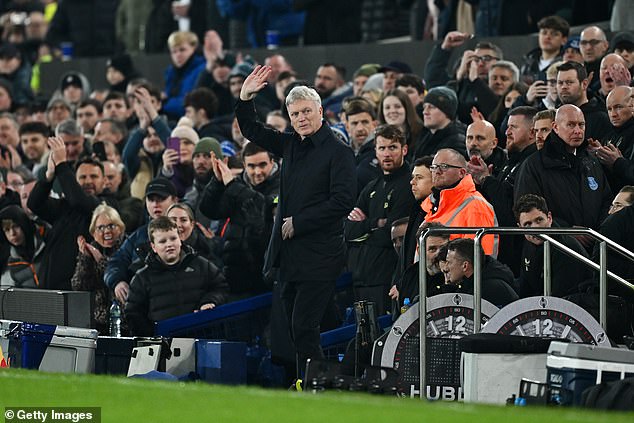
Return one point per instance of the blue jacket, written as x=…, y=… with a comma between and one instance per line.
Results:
x=118, y=268
x=173, y=106
x=263, y=15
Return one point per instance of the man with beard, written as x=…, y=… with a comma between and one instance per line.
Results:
x=206, y=151
x=247, y=201
x=482, y=144
x=33, y=136
x=69, y=216
x=498, y=189
x=360, y=123
x=330, y=84
x=572, y=86
x=387, y=198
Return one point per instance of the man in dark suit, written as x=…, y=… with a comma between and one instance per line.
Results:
x=317, y=191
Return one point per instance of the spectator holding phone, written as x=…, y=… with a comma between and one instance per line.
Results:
x=177, y=157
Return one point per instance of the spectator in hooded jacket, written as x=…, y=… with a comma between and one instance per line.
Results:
x=26, y=243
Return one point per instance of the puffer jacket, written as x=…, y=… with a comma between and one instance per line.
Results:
x=159, y=291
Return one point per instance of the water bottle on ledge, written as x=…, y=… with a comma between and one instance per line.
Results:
x=115, y=319
x=406, y=305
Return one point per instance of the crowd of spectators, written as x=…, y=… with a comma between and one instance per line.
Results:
x=148, y=192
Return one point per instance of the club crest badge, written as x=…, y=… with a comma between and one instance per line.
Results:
x=592, y=183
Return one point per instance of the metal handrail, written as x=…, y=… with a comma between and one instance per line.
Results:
x=477, y=265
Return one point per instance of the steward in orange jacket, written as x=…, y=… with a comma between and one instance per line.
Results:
x=462, y=206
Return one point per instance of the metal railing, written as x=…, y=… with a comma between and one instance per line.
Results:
x=544, y=233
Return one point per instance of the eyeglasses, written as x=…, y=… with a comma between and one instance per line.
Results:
x=108, y=227
x=552, y=82
x=486, y=58
x=592, y=43
x=443, y=167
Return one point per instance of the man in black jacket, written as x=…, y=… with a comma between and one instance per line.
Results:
x=360, y=124
x=387, y=198
x=563, y=172
x=247, y=200
x=175, y=281
x=498, y=189
x=497, y=279
x=69, y=216
x=617, y=155
x=317, y=191
x=567, y=273
x=439, y=117
x=553, y=34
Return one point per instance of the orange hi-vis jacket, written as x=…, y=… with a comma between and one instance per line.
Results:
x=463, y=206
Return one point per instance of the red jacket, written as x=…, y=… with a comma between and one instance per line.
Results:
x=463, y=206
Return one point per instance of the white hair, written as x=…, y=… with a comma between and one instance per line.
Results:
x=505, y=64
x=302, y=92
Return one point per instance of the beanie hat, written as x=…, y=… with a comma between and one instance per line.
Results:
x=185, y=129
x=228, y=148
x=573, y=42
x=242, y=69
x=58, y=100
x=367, y=70
x=445, y=99
x=207, y=145
x=122, y=63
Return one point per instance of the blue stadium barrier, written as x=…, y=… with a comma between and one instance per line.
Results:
x=346, y=333
x=243, y=315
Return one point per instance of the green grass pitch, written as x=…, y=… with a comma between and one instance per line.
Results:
x=133, y=400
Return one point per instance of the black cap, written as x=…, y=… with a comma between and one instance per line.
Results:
x=72, y=79
x=9, y=51
x=161, y=186
x=396, y=66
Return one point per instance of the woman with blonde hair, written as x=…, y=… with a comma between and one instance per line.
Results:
x=108, y=231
